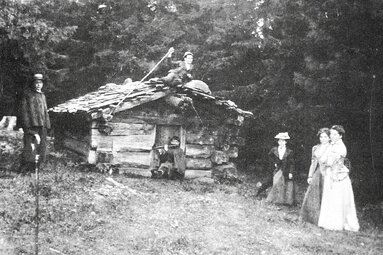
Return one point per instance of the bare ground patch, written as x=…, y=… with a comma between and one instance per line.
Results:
x=83, y=212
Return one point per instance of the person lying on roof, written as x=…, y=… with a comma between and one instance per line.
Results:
x=180, y=75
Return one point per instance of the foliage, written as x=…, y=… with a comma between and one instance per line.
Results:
x=297, y=65
x=10, y=150
x=27, y=40
x=81, y=213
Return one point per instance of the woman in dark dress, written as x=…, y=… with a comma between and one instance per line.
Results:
x=281, y=162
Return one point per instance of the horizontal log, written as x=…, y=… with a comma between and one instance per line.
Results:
x=192, y=138
x=100, y=141
x=224, y=170
x=208, y=131
x=129, y=120
x=76, y=145
x=142, y=171
x=132, y=142
x=120, y=125
x=173, y=119
x=198, y=164
x=151, y=115
x=124, y=129
x=199, y=151
x=126, y=132
x=193, y=174
x=132, y=159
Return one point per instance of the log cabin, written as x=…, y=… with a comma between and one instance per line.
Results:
x=120, y=124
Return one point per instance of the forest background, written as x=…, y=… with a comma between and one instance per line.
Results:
x=298, y=65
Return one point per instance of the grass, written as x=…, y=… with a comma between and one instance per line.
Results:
x=81, y=212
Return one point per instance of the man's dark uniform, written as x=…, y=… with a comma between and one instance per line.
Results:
x=34, y=120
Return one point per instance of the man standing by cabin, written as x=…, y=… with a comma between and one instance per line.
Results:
x=168, y=161
x=180, y=75
x=35, y=123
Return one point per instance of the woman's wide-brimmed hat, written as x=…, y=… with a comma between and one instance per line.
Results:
x=284, y=136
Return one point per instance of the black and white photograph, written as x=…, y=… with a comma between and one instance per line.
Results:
x=182, y=127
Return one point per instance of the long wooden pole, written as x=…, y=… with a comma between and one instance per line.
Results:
x=37, y=204
x=146, y=76
x=372, y=93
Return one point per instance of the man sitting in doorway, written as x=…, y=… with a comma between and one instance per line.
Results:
x=168, y=161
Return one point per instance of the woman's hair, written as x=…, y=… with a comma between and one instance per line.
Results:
x=324, y=130
x=339, y=129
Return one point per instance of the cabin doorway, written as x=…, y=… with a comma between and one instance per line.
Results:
x=165, y=132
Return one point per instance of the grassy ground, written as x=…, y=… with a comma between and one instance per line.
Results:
x=84, y=212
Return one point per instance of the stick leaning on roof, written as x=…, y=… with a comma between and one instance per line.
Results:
x=109, y=117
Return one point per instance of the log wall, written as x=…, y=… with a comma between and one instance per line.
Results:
x=207, y=142
x=129, y=143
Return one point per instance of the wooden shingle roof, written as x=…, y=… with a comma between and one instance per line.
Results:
x=107, y=97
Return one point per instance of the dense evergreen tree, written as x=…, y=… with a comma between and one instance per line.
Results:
x=297, y=65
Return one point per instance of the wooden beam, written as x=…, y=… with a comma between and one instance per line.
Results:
x=198, y=163
x=201, y=139
x=124, y=129
x=199, y=151
x=127, y=143
x=193, y=174
x=132, y=142
x=122, y=125
x=132, y=159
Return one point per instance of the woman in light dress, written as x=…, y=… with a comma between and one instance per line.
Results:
x=312, y=201
x=337, y=210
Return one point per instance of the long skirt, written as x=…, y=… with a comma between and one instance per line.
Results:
x=282, y=192
x=338, y=210
x=312, y=201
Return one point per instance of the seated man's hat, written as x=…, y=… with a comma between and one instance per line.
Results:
x=174, y=139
